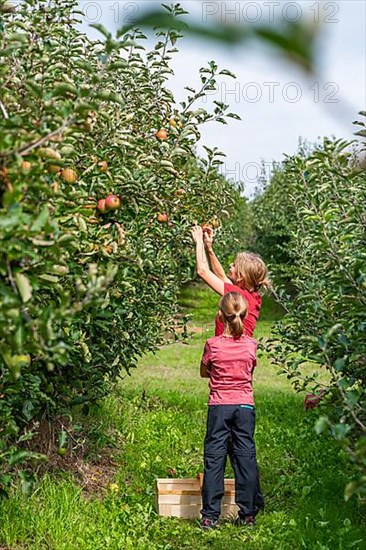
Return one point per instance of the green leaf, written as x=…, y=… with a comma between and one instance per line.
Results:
x=41, y=220
x=340, y=430
x=28, y=409
x=24, y=286
x=64, y=90
x=18, y=457
x=361, y=133
x=101, y=29
x=321, y=424
x=227, y=73
x=339, y=364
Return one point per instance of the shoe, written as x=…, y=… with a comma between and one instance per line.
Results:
x=246, y=521
x=209, y=523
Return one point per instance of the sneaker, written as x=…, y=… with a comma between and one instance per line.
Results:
x=209, y=523
x=246, y=521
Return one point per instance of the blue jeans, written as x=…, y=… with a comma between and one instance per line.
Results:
x=231, y=425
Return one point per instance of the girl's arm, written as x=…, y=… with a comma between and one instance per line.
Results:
x=204, y=370
x=214, y=261
x=202, y=265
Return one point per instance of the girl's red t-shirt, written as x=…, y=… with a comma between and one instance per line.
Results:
x=254, y=300
x=231, y=362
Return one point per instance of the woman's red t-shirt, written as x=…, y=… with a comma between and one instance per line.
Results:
x=254, y=300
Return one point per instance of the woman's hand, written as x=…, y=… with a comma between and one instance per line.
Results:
x=197, y=234
x=208, y=236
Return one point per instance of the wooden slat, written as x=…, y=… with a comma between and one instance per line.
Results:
x=180, y=511
x=180, y=499
x=188, y=484
x=193, y=511
x=190, y=499
x=177, y=481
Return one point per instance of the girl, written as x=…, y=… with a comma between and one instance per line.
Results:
x=229, y=360
x=248, y=275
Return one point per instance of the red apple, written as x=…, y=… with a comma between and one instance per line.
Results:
x=101, y=206
x=162, y=134
x=162, y=218
x=112, y=202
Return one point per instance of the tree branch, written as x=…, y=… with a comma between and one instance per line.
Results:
x=3, y=110
x=25, y=149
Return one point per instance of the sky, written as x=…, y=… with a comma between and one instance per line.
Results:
x=277, y=103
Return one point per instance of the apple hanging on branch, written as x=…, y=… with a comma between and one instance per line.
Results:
x=26, y=166
x=162, y=134
x=112, y=202
x=69, y=175
x=101, y=206
x=162, y=217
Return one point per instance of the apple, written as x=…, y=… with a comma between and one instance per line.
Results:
x=172, y=122
x=49, y=153
x=53, y=169
x=103, y=166
x=26, y=166
x=108, y=249
x=215, y=223
x=112, y=202
x=180, y=192
x=101, y=206
x=62, y=451
x=67, y=150
x=69, y=175
x=162, y=134
x=162, y=218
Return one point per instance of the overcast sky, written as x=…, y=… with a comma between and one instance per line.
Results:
x=277, y=104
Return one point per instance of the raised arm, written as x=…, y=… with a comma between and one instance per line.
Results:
x=216, y=267
x=202, y=265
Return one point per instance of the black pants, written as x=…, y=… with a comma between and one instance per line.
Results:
x=230, y=425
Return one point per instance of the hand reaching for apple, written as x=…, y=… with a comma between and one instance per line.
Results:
x=208, y=236
x=197, y=233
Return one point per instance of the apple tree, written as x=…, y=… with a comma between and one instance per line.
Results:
x=323, y=218
x=99, y=185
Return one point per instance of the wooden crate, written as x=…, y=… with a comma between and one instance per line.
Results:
x=182, y=498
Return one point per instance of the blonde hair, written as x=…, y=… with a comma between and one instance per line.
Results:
x=233, y=308
x=252, y=272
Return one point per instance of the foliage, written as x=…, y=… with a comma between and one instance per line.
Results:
x=84, y=293
x=294, y=40
x=321, y=231
x=272, y=211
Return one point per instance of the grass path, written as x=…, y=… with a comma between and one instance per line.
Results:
x=154, y=424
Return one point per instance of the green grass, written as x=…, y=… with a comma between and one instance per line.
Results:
x=155, y=421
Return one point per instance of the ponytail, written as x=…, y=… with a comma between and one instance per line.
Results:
x=233, y=308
